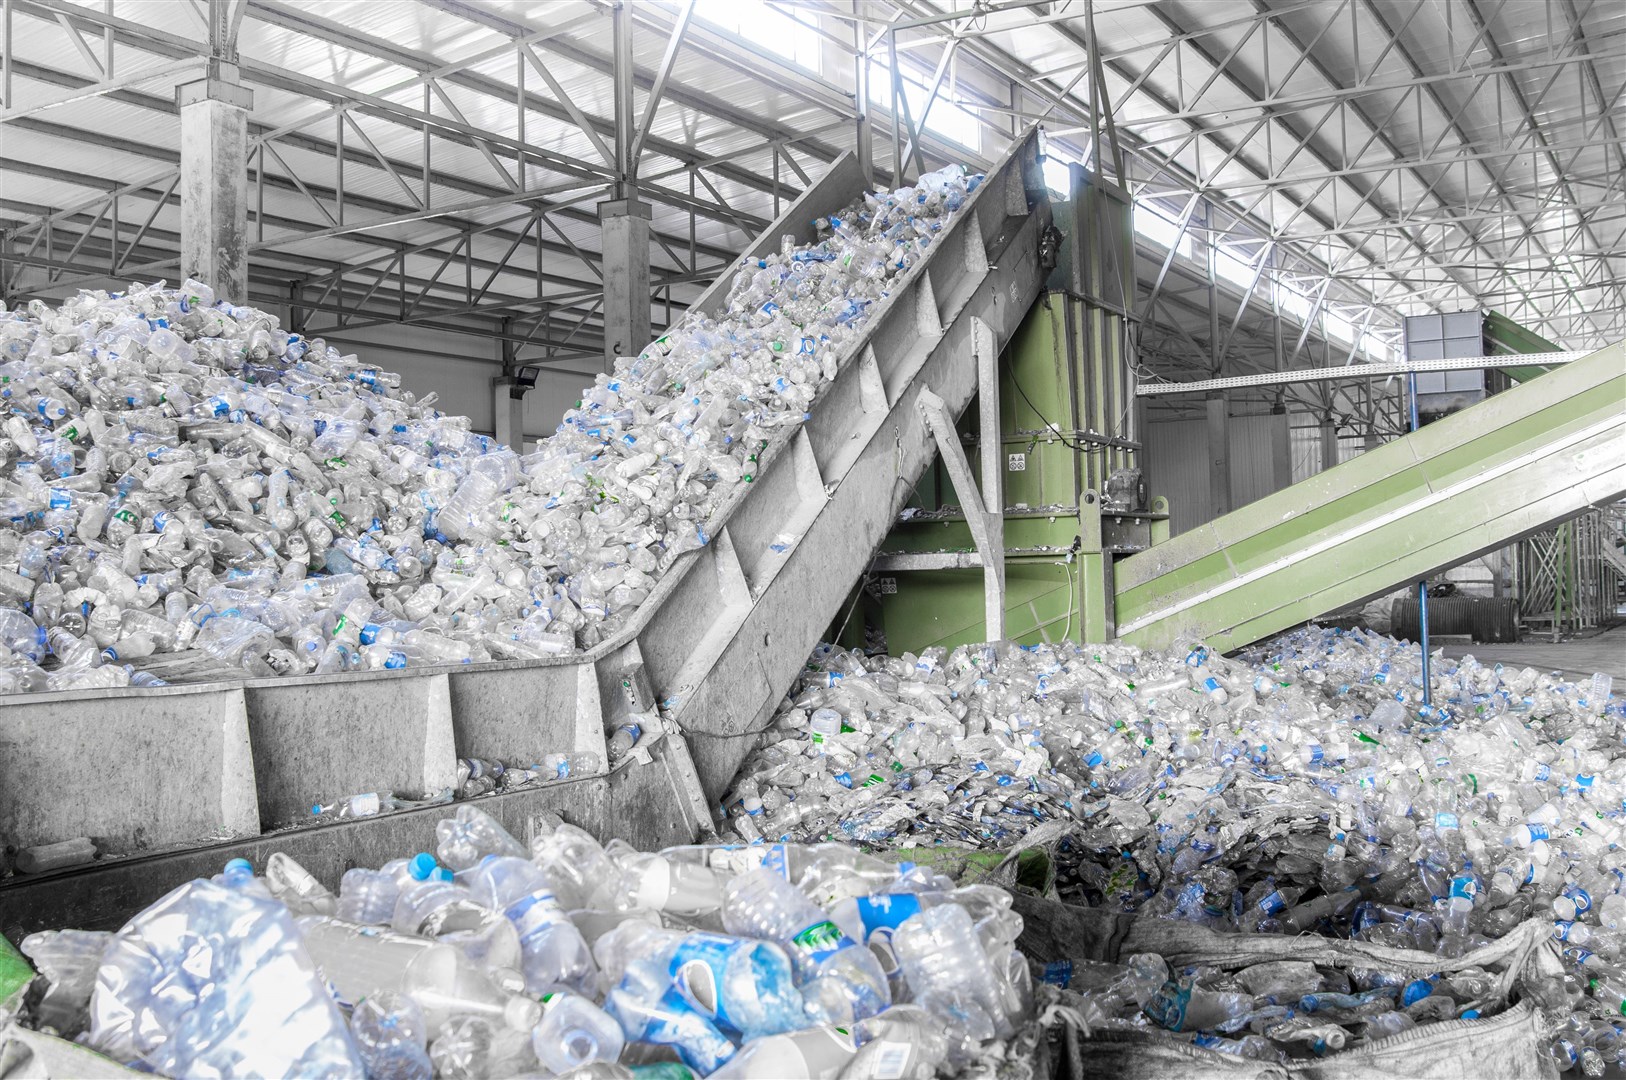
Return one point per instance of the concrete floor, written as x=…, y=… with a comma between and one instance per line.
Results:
x=1576, y=658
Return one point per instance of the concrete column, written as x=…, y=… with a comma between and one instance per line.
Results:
x=1219, y=455
x=624, y=227
x=508, y=412
x=214, y=182
x=1281, y=448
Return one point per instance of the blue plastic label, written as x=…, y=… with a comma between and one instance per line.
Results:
x=776, y=861
x=1058, y=973
x=886, y=911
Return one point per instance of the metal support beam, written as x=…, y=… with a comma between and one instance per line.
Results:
x=626, y=147
x=986, y=350
x=624, y=235
x=987, y=529
x=1219, y=455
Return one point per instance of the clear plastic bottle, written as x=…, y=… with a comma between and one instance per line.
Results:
x=948, y=971
x=651, y=1009
x=817, y=1053
x=841, y=980
x=297, y=887
x=360, y=961
x=390, y=1031
x=574, y=1032
x=470, y=835
x=555, y=954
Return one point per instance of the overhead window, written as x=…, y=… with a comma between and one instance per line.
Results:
x=1233, y=269
x=1161, y=229
x=1293, y=302
x=946, y=120
x=788, y=35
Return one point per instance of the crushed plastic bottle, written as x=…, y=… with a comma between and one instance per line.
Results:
x=212, y=975
x=179, y=473
x=725, y=1002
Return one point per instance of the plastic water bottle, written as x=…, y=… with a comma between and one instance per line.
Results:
x=574, y=1032
x=391, y=1033
x=651, y=1009
x=297, y=887
x=949, y=972
x=181, y=959
x=69, y=961
x=842, y=981
x=361, y=961
x=818, y=1053
x=470, y=835
x=746, y=988
x=555, y=954
x=652, y=882
x=369, y=896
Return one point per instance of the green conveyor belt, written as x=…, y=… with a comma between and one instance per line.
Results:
x=1516, y=463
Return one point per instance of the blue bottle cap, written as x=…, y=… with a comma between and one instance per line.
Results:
x=1415, y=991
x=422, y=866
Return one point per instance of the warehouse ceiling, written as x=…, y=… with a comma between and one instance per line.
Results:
x=1305, y=173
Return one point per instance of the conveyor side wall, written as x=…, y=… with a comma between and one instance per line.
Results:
x=715, y=647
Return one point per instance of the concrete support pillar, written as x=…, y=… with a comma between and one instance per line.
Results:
x=1219, y=455
x=624, y=228
x=214, y=182
x=1281, y=448
x=508, y=412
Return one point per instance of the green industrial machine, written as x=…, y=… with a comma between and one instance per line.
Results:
x=1068, y=442
x=1087, y=557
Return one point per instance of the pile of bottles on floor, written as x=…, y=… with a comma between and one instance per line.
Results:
x=179, y=473
x=488, y=959
x=1305, y=786
x=1275, y=1010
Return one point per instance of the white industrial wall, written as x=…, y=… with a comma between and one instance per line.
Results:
x=1176, y=463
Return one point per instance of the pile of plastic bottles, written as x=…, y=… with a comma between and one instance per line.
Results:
x=178, y=472
x=1306, y=786
x=488, y=959
x=1276, y=1010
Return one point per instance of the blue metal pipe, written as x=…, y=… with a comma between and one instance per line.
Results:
x=1422, y=586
